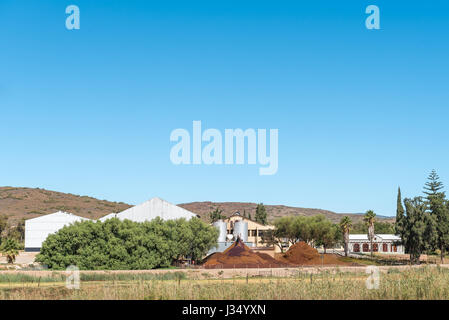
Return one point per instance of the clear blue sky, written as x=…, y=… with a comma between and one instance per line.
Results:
x=359, y=112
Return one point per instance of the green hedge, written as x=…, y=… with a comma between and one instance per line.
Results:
x=127, y=245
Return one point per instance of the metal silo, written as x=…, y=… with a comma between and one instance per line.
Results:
x=221, y=226
x=241, y=230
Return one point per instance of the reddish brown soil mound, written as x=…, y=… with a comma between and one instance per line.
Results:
x=239, y=255
x=302, y=254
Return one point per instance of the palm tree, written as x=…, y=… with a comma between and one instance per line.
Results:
x=346, y=225
x=9, y=248
x=369, y=219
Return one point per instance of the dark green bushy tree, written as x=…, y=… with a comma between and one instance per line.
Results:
x=119, y=245
x=216, y=215
x=438, y=225
x=425, y=225
x=413, y=233
x=325, y=233
x=202, y=239
x=261, y=214
x=379, y=226
x=292, y=229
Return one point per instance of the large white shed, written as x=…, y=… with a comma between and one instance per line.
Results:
x=38, y=229
x=108, y=216
x=153, y=208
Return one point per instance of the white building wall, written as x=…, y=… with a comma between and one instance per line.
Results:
x=38, y=229
x=390, y=244
x=108, y=216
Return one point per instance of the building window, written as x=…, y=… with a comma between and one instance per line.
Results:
x=385, y=247
x=365, y=247
x=356, y=247
x=375, y=247
x=395, y=248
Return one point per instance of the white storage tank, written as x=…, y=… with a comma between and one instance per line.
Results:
x=241, y=230
x=221, y=226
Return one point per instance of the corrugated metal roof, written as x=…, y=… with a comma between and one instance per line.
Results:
x=153, y=208
x=57, y=216
x=108, y=216
x=364, y=237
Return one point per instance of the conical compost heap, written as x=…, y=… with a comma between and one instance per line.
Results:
x=239, y=255
x=301, y=254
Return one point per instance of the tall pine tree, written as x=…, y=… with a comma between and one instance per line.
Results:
x=261, y=214
x=433, y=185
x=437, y=215
x=399, y=224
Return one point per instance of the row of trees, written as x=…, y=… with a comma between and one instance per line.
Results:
x=315, y=229
x=424, y=223
x=117, y=245
x=379, y=226
x=318, y=231
x=369, y=221
x=216, y=215
x=260, y=215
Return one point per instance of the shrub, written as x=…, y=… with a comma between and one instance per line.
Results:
x=120, y=245
x=10, y=248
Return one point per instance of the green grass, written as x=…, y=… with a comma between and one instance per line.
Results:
x=59, y=276
x=422, y=283
x=24, y=278
x=377, y=260
x=367, y=262
x=132, y=276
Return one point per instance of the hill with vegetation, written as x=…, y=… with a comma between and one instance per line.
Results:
x=26, y=203
x=273, y=211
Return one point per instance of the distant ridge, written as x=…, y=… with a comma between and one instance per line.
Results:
x=18, y=203
x=273, y=211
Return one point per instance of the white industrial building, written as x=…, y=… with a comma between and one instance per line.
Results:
x=38, y=229
x=382, y=243
x=108, y=216
x=151, y=209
